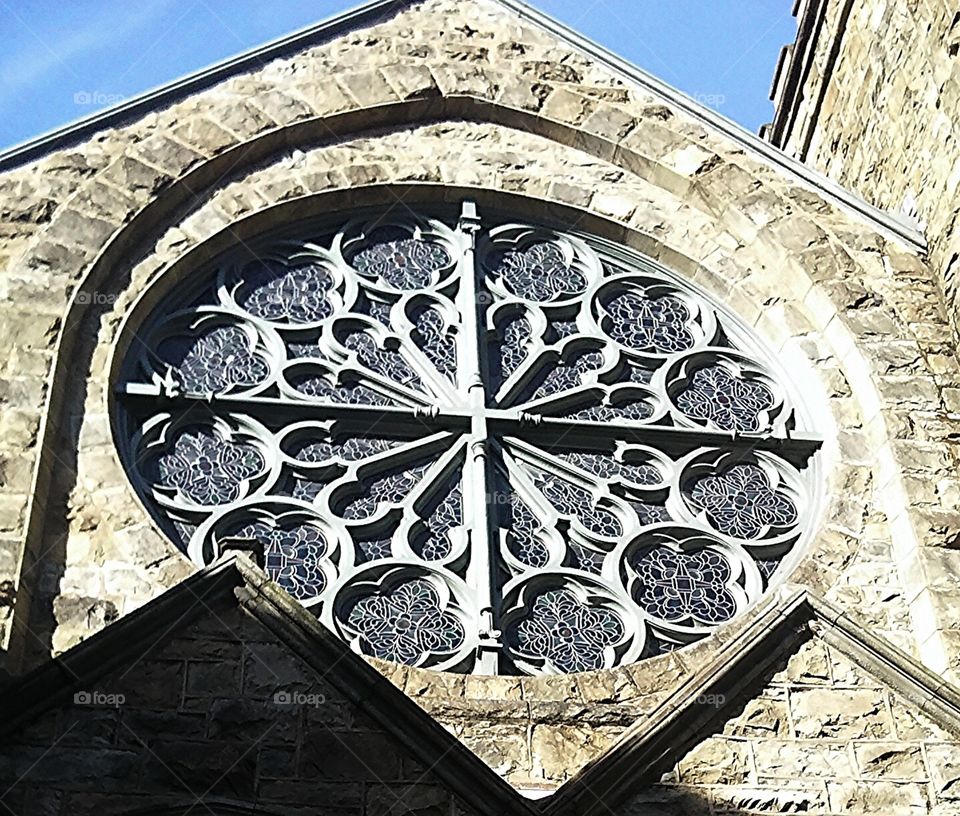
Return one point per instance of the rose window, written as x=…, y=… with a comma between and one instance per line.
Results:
x=470, y=444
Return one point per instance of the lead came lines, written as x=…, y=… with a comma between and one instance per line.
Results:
x=472, y=446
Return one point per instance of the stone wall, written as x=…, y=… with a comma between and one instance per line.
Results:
x=877, y=112
x=217, y=710
x=466, y=98
x=822, y=736
x=220, y=713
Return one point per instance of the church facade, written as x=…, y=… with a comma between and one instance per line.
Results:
x=430, y=412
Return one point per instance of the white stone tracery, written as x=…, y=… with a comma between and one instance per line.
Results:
x=478, y=446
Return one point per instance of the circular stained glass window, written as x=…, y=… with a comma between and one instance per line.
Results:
x=471, y=444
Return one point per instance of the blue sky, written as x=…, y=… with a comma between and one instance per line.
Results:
x=62, y=60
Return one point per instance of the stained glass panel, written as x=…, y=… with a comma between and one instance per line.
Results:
x=447, y=431
x=213, y=360
x=401, y=261
x=741, y=502
x=287, y=294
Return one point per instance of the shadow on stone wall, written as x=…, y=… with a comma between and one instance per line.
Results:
x=683, y=804
x=72, y=604
x=709, y=767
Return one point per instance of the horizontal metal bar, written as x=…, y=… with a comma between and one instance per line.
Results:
x=543, y=431
x=548, y=432
x=272, y=410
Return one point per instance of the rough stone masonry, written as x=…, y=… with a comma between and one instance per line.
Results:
x=454, y=96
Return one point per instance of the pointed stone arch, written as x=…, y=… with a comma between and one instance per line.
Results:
x=750, y=235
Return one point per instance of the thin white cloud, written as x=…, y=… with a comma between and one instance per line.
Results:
x=44, y=53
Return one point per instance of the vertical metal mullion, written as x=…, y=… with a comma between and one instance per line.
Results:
x=477, y=464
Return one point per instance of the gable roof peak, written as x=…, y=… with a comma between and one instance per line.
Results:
x=377, y=11
x=238, y=580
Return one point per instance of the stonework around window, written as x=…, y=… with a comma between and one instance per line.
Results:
x=471, y=444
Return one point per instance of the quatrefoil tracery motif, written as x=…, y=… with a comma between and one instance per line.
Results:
x=500, y=449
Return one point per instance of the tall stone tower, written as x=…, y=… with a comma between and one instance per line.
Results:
x=868, y=95
x=432, y=413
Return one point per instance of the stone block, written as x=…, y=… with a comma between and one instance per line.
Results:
x=434, y=684
x=559, y=751
x=796, y=796
x=803, y=760
x=761, y=718
x=411, y=81
x=717, y=761
x=220, y=679
x=91, y=726
x=914, y=725
x=156, y=684
x=809, y=666
x=323, y=95
x=412, y=800
x=340, y=799
x=457, y=709
x=657, y=674
x=547, y=71
x=277, y=762
x=568, y=107
x=252, y=721
x=173, y=157
x=269, y=668
x=107, y=202
x=351, y=756
x=478, y=687
x=574, y=195
x=523, y=96
x=12, y=512
x=903, y=799
x=135, y=178
x=141, y=726
x=457, y=80
x=619, y=207
x=611, y=123
x=69, y=769
x=840, y=714
x=562, y=688
x=944, y=763
x=890, y=761
x=283, y=108
x=242, y=119
x=228, y=771
x=367, y=88
x=606, y=686
x=204, y=135
x=503, y=747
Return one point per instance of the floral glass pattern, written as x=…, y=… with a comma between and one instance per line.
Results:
x=741, y=502
x=213, y=361
x=406, y=624
x=539, y=273
x=285, y=294
x=567, y=632
x=649, y=324
x=471, y=445
x=674, y=586
x=206, y=469
x=717, y=397
x=401, y=262
x=292, y=557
